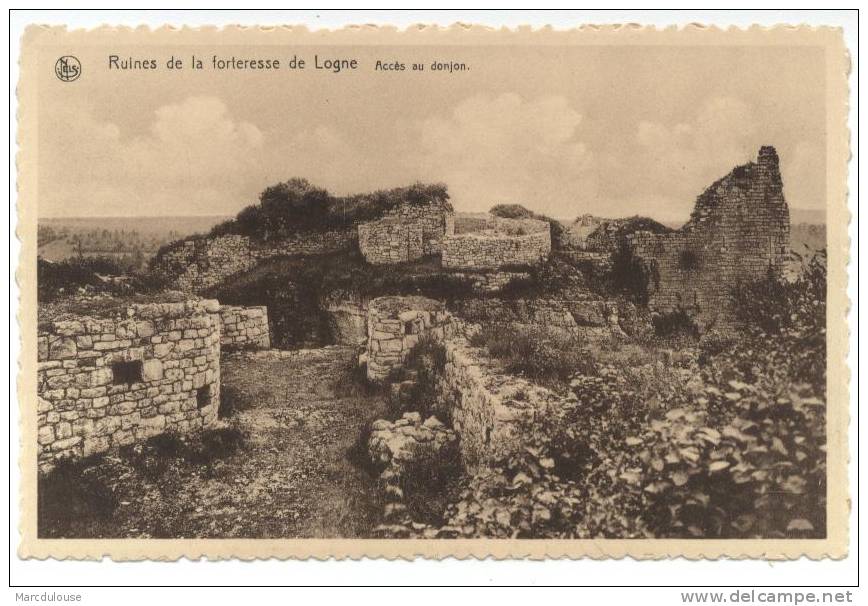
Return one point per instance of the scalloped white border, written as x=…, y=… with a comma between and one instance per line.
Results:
x=247, y=549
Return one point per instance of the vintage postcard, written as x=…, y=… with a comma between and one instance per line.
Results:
x=435, y=292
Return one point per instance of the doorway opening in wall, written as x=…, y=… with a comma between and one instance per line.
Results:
x=127, y=372
x=203, y=396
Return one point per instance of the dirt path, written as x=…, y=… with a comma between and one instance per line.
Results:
x=302, y=415
x=291, y=477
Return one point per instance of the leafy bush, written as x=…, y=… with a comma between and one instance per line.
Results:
x=675, y=324
x=755, y=469
x=297, y=206
x=426, y=360
x=541, y=354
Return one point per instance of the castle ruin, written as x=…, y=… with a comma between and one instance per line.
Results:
x=739, y=231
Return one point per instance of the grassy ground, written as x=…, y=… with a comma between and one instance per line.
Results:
x=278, y=469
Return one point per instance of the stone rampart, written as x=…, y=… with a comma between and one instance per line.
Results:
x=490, y=409
x=406, y=233
x=201, y=263
x=503, y=242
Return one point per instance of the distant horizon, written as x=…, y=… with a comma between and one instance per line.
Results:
x=800, y=210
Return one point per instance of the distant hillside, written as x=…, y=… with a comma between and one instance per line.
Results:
x=807, y=215
x=122, y=238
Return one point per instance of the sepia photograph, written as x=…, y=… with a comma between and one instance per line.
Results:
x=452, y=291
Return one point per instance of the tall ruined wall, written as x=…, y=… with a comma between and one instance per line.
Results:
x=739, y=228
x=199, y=264
x=244, y=327
x=103, y=383
x=406, y=233
x=503, y=242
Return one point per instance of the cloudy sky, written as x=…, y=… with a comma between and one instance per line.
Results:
x=611, y=131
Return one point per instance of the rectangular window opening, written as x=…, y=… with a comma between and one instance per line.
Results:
x=127, y=372
x=203, y=397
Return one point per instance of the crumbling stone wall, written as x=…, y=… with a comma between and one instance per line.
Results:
x=489, y=408
x=106, y=382
x=503, y=242
x=244, y=327
x=395, y=325
x=738, y=231
x=200, y=263
x=406, y=233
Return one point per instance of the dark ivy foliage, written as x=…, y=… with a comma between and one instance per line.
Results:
x=630, y=275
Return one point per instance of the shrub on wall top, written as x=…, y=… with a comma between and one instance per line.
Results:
x=297, y=206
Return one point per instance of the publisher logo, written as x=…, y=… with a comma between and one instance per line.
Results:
x=67, y=68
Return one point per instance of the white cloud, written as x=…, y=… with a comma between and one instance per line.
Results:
x=194, y=159
x=668, y=166
x=505, y=149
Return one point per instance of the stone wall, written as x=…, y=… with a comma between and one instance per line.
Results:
x=395, y=325
x=244, y=327
x=106, y=382
x=488, y=407
x=406, y=233
x=504, y=242
x=739, y=229
x=201, y=263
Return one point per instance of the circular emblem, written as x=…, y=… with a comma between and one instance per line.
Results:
x=67, y=68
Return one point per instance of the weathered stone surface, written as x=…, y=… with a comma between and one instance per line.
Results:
x=61, y=348
x=504, y=242
x=407, y=439
x=244, y=327
x=489, y=408
x=394, y=327
x=82, y=408
x=406, y=233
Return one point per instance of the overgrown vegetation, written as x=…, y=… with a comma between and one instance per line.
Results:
x=732, y=447
x=546, y=355
x=550, y=278
x=675, y=324
x=429, y=481
x=91, y=275
x=425, y=363
x=296, y=206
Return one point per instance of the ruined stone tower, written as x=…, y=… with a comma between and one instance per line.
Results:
x=738, y=230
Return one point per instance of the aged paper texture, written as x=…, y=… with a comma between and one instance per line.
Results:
x=440, y=292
